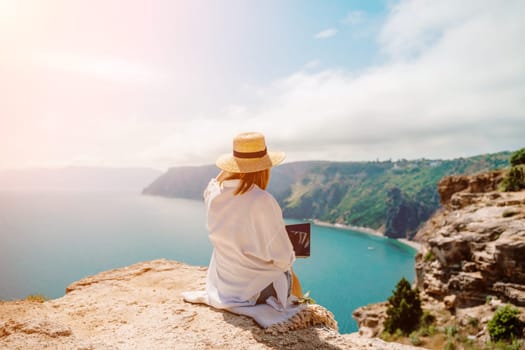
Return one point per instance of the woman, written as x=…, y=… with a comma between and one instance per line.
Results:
x=252, y=256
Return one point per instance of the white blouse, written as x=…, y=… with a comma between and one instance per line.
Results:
x=251, y=248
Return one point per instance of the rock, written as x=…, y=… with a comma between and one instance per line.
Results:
x=510, y=257
x=450, y=302
x=469, y=266
x=495, y=303
x=478, y=251
x=140, y=307
x=404, y=215
x=370, y=319
x=513, y=292
x=472, y=252
x=450, y=185
x=479, y=183
x=450, y=250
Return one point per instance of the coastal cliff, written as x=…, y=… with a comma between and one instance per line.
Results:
x=472, y=258
x=394, y=197
x=475, y=246
x=140, y=307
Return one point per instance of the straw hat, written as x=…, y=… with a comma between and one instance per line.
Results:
x=249, y=155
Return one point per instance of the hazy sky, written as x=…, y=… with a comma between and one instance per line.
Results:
x=165, y=83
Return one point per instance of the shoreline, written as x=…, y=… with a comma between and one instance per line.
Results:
x=366, y=230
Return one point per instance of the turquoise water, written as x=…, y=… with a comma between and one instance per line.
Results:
x=49, y=239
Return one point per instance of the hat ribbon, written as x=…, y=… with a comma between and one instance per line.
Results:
x=248, y=155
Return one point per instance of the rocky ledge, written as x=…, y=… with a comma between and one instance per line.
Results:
x=472, y=256
x=140, y=307
x=474, y=246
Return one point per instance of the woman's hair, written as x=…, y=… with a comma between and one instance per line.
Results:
x=248, y=180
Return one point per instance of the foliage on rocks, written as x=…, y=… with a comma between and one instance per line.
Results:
x=404, y=312
x=514, y=180
x=506, y=324
x=518, y=157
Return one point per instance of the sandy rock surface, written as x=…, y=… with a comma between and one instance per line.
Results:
x=140, y=307
x=474, y=248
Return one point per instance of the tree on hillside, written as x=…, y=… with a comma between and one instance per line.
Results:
x=518, y=157
x=405, y=310
x=515, y=178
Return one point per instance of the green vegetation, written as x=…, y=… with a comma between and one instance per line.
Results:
x=518, y=157
x=414, y=338
x=514, y=179
x=404, y=312
x=427, y=319
x=516, y=344
x=398, y=195
x=429, y=256
x=505, y=324
x=305, y=299
x=452, y=335
x=450, y=345
x=395, y=195
x=37, y=298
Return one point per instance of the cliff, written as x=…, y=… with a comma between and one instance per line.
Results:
x=475, y=245
x=392, y=196
x=472, y=259
x=140, y=307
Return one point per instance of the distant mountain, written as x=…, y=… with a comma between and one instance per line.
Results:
x=190, y=182
x=84, y=178
x=392, y=196
x=182, y=182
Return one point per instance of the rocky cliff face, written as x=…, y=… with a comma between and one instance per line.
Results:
x=405, y=215
x=472, y=258
x=140, y=307
x=475, y=246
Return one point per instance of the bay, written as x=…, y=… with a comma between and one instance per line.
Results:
x=49, y=239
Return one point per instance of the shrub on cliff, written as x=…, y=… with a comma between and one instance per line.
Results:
x=514, y=180
x=505, y=324
x=405, y=310
x=518, y=157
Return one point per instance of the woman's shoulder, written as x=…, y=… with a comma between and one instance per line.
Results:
x=264, y=198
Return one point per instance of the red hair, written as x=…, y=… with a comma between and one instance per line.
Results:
x=248, y=180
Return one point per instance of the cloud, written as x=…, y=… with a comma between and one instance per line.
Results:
x=458, y=94
x=451, y=83
x=325, y=34
x=453, y=86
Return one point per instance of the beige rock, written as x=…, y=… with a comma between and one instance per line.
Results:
x=479, y=183
x=140, y=307
x=450, y=302
x=370, y=319
x=478, y=249
x=472, y=251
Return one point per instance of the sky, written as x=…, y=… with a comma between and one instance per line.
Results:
x=161, y=83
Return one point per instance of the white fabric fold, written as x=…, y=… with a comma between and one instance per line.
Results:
x=251, y=248
x=264, y=314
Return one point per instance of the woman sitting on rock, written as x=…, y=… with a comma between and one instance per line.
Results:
x=252, y=256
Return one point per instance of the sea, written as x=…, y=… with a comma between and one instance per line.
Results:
x=51, y=238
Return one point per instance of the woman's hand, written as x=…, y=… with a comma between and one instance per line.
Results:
x=296, y=286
